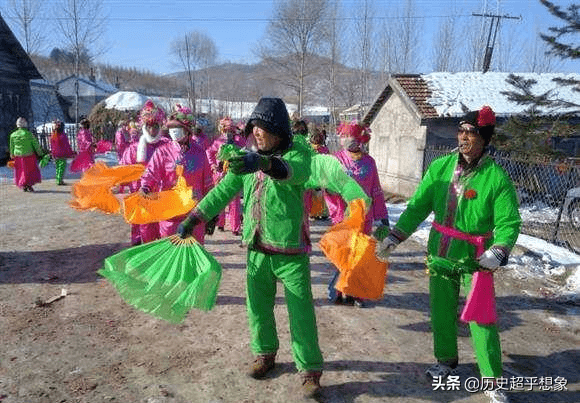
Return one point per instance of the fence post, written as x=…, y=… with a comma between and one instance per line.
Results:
x=561, y=209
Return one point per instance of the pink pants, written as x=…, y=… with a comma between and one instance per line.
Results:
x=234, y=215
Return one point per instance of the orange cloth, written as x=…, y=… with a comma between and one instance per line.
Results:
x=95, y=189
x=160, y=206
x=318, y=205
x=362, y=275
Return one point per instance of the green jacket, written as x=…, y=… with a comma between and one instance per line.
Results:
x=23, y=143
x=482, y=200
x=273, y=209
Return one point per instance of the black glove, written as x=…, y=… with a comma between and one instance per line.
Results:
x=249, y=163
x=210, y=225
x=186, y=227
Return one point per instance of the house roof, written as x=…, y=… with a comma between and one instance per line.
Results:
x=439, y=95
x=101, y=86
x=10, y=44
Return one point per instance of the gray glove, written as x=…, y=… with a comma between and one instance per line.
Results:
x=492, y=258
x=384, y=249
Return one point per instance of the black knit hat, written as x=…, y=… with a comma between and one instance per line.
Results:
x=483, y=120
x=271, y=114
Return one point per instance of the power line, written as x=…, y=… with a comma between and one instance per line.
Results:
x=495, y=19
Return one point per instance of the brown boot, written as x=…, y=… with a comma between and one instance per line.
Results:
x=263, y=364
x=311, y=383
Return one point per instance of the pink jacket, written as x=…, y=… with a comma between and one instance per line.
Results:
x=365, y=172
x=212, y=151
x=84, y=140
x=160, y=172
x=121, y=141
x=60, y=146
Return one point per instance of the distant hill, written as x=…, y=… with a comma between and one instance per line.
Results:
x=228, y=81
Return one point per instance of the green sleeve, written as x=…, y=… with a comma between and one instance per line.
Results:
x=506, y=215
x=36, y=145
x=420, y=205
x=328, y=173
x=298, y=160
x=12, y=145
x=219, y=197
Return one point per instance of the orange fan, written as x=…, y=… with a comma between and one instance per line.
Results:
x=94, y=190
x=362, y=275
x=160, y=206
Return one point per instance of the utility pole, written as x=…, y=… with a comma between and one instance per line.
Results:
x=493, y=28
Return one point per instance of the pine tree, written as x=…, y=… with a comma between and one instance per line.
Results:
x=544, y=119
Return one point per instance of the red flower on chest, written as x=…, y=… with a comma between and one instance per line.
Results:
x=470, y=194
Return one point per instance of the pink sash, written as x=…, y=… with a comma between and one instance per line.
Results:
x=480, y=304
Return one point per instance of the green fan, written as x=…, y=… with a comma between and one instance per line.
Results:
x=44, y=160
x=166, y=277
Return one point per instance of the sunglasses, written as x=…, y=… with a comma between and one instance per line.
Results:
x=468, y=130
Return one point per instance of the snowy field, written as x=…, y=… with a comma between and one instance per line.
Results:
x=549, y=261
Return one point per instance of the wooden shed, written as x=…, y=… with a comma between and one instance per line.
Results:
x=16, y=71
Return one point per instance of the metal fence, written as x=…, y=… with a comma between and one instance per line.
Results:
x=548, y=191
x=43, y=137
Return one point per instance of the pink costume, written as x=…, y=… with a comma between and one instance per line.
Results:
x=122, y=141
x=319, y=149
x=60, y=146
x=86, y=150
x=234, y=210
x=364, y=171
x=140, y=232
x=85, y=141
x=160, y=175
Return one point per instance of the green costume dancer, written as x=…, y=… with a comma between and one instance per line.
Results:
x=273, y=177
x=470, y=194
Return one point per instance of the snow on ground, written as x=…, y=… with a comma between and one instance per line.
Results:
x=551, y=260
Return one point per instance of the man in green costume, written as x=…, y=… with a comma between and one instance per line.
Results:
x=471, y=195
x=272, y=177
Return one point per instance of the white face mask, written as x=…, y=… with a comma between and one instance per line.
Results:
x=176, y=133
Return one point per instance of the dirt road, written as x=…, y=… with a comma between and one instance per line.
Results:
x=90, y=346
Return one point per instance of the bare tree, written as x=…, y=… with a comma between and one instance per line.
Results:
x=537, y=58
x=444, y=46
x=28, y=28
x=335, y=45
x=400, y=39
x=194, y=50
x=364, y=46
x=295, y=33
x=81, y=23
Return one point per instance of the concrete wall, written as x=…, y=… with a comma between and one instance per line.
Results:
x=397, y=145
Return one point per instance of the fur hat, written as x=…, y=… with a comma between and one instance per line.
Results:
x=483, y=120
x=151, y=115
x=21, y=122
x=360, y=133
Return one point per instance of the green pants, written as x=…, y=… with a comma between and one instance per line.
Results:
x=443, y=298
x=60, y=165
x=294, y=272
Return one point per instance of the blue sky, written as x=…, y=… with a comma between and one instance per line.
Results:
x=140, y=31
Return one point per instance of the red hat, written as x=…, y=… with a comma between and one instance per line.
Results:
x=360, y=133
x=483, y=120
x=181, y=117
x=151, y=115
x=227, y=125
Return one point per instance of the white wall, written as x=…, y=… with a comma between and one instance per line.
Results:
x=397, y=144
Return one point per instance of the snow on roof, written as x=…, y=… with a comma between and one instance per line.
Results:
x=125, y=101
x=475, y=89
